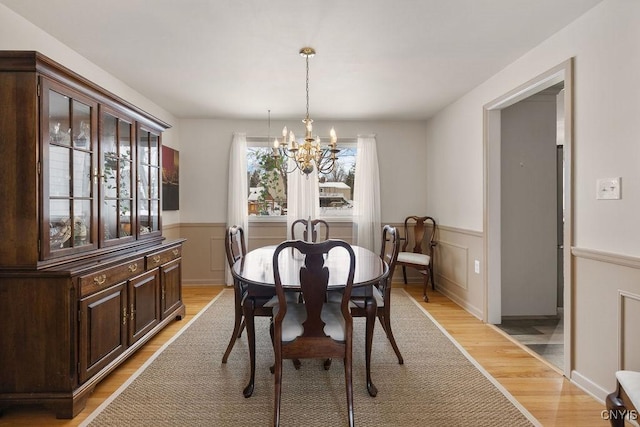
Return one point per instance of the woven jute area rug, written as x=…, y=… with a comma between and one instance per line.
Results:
x=186, y=384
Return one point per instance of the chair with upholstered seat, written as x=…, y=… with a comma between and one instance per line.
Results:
x=247, y=305
x=418, y=248
x=319, y=229
x=623, y=402
x=313, y=328
x=235, y=249
x=257, y=304
x=382, y=295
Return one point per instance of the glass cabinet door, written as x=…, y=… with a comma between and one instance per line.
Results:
x=68, y=165
x=116, y=166
x=148, y=182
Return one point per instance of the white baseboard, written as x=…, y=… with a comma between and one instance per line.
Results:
x=589, y=386
x=475, y=311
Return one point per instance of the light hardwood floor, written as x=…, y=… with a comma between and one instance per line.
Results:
x=537, y=385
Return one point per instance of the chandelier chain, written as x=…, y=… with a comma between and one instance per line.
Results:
x=307, y=83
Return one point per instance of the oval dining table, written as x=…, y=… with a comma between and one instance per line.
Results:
x=255, y=269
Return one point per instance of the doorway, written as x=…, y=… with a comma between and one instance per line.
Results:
x=526, y=206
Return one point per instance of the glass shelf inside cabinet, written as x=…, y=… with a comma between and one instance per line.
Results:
x=70, y=162
x=116, y=148
x=149, y=182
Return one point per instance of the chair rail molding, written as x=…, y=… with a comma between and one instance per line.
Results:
x=457, y=230
x=607, y=257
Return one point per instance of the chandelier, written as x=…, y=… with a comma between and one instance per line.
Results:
x=310, y=154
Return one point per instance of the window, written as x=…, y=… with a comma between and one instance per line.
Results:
x=267, y=180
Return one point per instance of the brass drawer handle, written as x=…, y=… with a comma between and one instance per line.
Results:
x=99, y=280
x=156, y=259
x=133, y=267
x=175, y=252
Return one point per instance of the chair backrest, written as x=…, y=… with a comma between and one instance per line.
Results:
x=419, y=237
x=302, y=225
x=234, y=244
x=389, y=251
x=314, y=279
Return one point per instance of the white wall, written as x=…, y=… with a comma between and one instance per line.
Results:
x=606, y=45
x=203, y=181
x=16, y=33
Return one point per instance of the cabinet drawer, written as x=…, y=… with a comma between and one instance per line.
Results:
x=156, y=259
x=102, y=279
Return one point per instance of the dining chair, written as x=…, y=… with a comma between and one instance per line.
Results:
x=313, y=328
x=247, y=304
x=360, y=303
x=300, y=229
x=236, y=249
x=623, y=402
x=414, y=256
x=382, y=294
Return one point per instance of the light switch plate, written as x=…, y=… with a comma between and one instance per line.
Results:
x=608, y=189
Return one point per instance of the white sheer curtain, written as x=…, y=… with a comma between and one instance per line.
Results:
x=366, y=195
x=303, y=197
x=238, y=190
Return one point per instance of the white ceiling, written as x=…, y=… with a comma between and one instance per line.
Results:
x=376, y=59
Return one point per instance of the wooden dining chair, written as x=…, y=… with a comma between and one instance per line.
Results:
x=249, y=302
x=625, y=400
x=300, y=230
x=245, y=306
x=313, y=328
x=382, y=294
x=420, y=254
x=235, y=249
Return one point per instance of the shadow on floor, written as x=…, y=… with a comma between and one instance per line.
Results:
x=543, y=335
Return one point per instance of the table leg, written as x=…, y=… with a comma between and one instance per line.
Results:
x=370, y=309
x=248, y=307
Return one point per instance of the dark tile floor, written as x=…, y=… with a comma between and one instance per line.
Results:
x=543, y=335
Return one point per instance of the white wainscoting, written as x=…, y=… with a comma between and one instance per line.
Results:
x=455, y=256
x=453, y=262
x=628, y=330
x=606, y=318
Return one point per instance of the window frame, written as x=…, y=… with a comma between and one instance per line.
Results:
x=264, y=142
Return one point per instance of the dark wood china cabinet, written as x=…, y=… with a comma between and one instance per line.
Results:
x=86, y=277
